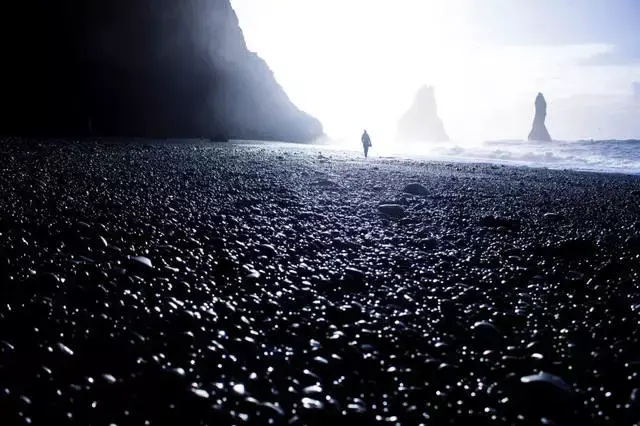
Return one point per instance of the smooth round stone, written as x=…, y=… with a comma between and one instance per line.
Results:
x=392, y=210
x=103, y=241
x=357, y=406
x=354, y=273
x=553, y=217
x=274, y=408
x=544, y=394
x=268, y=249
x=109, y=378
x=547, y=380
x=315, y=389
x=321, y=360
x=486, y=332
x=239, y=389
x=200, y=393
x=312, y=404
x=142, y=260
x=253, y=274
x=178, y=371
x=416, y=189
x=65, y=349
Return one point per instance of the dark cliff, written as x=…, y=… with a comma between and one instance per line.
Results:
x=159, y=68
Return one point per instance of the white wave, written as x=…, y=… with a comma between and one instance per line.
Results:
x=600, y=156
x=611, y=156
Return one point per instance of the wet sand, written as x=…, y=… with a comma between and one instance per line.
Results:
x=203, y=283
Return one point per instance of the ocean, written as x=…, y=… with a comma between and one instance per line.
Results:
x=610, y=156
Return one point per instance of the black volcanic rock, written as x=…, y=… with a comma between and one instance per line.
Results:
x=124, y=67
x=421, y=121
x=234, y=288
x=539, y=131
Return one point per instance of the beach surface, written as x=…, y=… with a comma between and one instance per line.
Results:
x=202, y=283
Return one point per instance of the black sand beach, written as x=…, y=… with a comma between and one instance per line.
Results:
x=202, y=283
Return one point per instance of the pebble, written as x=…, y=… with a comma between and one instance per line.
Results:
x=312, y=389
x=553, y=217
x=548, y=380
x=239, y=389
x=201, y=393
x=487, y=333
x=141, y=260
x=268, y=249
x=312, y=404
x=355, y=273
x=109, y=378
x=419, y=320
x=65, y=349
x=416, y=189
x=392, y=210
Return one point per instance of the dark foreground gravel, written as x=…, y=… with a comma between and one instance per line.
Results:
x=151, y=283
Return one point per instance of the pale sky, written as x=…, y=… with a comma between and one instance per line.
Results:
x=357, y=64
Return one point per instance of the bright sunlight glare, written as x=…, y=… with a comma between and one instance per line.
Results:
x=359, y=63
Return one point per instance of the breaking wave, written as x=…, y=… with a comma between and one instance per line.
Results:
x=617, y=156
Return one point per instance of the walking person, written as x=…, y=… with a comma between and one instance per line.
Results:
x=366, y=143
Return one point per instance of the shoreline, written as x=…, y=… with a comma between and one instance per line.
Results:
x=353, y=151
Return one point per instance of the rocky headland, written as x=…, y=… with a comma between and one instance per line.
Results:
x=124, y=68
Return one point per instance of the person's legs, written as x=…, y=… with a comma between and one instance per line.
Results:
x=366, y=151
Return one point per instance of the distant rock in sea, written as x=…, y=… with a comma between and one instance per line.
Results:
x=129, y=68
x=539, y=131
x=421, y=121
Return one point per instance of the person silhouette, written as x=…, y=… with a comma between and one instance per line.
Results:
x=366, y=143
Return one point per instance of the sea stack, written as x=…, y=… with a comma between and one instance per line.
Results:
x=421, y=122
x=539, y=131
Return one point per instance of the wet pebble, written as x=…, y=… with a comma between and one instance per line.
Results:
x=141, y=261
x=486, y=333
x=237, y=288
x=392, y=210
x=416, y=189
x=312, y=404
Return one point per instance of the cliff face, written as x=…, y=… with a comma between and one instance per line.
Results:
x=421, y=121
x=539, y=130
x=140, y=68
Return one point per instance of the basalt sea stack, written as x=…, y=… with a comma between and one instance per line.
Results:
x=539, y=131
x=421, y=122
